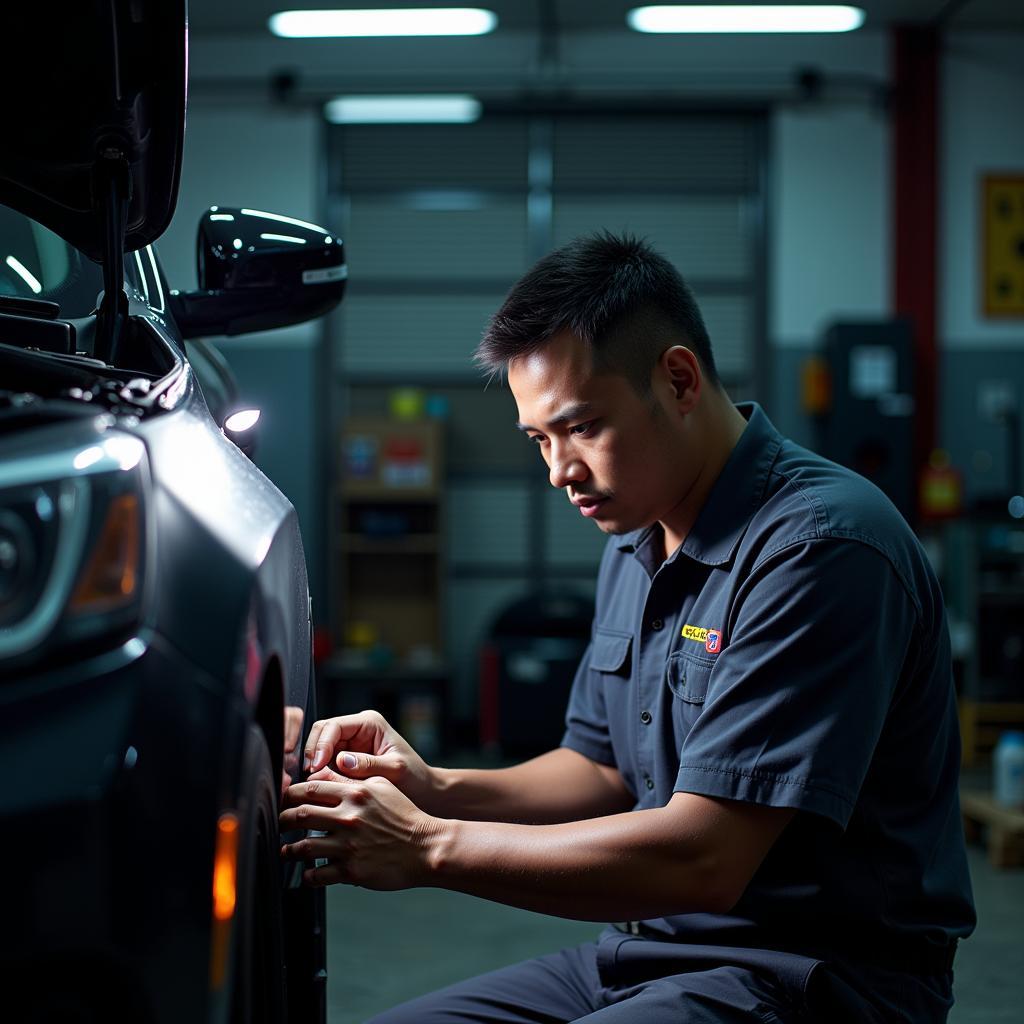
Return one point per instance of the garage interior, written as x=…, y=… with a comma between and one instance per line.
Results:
x=849, y=210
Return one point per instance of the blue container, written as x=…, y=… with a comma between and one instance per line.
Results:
x=1008, y=765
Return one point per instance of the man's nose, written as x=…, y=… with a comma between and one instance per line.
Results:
x=565, y=468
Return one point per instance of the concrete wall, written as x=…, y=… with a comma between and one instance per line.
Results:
x=831, y=175
x=829, y=253
x=829, y=213
x=982, y=133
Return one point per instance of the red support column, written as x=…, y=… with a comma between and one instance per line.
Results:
x=915, y=137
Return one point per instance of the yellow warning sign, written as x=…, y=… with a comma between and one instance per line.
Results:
x=1003, y=222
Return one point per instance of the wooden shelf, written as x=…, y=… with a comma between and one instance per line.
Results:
x=1004, y=595
x=387, y=533
x=981, y=722
x=1004, y=827
x=358, y=490
x=336, y=669
x=391, y=460
x=414, y=544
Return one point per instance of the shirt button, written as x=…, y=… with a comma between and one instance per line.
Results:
x=645, y=717
x=649, y=783
x=656, y=624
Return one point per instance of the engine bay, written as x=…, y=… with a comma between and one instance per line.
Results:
x=39, y=385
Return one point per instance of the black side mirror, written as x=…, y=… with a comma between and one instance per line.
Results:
x=258, y=271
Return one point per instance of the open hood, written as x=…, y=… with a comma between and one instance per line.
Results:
x=93, y=89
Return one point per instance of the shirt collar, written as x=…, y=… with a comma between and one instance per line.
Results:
x=734, y=498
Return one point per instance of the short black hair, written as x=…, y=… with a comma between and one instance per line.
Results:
x=613, y=292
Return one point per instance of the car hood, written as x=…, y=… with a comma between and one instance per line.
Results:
x=85, y=82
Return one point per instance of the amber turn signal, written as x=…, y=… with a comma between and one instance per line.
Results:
x=225, y=868
x=111, y=575
x=225, y=885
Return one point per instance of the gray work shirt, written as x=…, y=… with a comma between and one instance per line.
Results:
x=793, y=652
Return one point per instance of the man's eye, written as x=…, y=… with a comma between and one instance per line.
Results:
x=582, y=429
x=536, y=438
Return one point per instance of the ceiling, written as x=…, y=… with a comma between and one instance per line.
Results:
x=247, y=17
x=550, y=48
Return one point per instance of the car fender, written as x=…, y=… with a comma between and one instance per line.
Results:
x=228, y=549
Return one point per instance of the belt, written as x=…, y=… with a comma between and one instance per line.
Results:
x=911, y=958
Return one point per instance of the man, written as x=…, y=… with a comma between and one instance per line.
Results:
x=758, y=775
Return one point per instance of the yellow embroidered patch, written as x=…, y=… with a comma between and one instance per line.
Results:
x=710, y=638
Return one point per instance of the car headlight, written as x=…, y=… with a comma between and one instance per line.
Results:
x=72, y=545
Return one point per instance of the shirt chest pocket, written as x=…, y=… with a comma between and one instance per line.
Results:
x=687, y=676
x=610, y=653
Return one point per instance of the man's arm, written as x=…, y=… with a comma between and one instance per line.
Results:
x=695, y=854
x=561, y=785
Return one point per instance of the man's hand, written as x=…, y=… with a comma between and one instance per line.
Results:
x=292, y=734
x=375, y=836
x=364, y=746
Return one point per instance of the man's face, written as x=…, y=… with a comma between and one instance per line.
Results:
x=617, y=455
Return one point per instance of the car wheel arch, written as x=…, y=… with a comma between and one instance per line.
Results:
x=269, y=711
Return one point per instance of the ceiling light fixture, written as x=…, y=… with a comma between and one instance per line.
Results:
x=402, y=110
x=745, y=18
x=421, y=21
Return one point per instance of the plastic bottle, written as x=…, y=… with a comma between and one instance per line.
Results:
x=1008, y=765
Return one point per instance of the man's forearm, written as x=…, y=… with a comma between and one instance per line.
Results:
x=558, y=786
x=621, y=867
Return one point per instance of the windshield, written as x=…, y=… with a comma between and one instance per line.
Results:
x=35, y=263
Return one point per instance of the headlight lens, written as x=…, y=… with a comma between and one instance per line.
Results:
x=111, y=576
x=72, y=550
x=25, y=544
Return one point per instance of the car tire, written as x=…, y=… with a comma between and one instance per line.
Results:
x=306, y=933
x=305, y=928
x=258, y=988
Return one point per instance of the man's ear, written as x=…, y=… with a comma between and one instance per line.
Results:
x=680, y=368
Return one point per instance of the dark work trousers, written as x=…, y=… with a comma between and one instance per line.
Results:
x=623, y=979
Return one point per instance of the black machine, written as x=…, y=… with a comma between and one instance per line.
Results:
x=527, y=667
x=870, y=424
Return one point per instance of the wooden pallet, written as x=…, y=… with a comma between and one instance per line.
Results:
x=982, y=723
x=1001, y=828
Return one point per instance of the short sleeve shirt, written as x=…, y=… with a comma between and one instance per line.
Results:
x=793, y=652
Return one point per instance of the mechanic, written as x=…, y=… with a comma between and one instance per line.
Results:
x=758, y=779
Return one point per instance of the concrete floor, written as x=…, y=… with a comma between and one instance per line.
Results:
x=385, y=948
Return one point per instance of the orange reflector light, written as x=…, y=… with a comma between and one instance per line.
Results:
x=225, y=868
x=225, y=885
x=112, y=573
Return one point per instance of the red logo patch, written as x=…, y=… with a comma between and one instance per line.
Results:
x=713, y=644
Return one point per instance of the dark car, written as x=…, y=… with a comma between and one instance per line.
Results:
x=154, y=610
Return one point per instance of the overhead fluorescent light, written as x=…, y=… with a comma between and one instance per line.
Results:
x=402, y=110
x=416, y=21
x=745, y=18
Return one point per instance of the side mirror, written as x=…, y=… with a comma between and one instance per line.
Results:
x=258, y=271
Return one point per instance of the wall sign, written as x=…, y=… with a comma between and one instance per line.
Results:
x=1003, y=245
